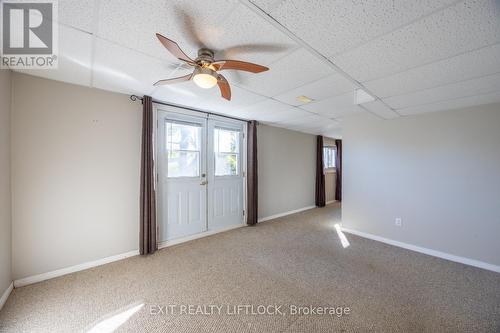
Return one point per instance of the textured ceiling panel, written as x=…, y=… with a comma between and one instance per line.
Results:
x=291, y=71
x=75, y=49
x=453, y=104
x=231, y=30
x=332, y=106
x=418, y=56
x=314, y=125
x=472, y=87
x=182, y=94
x=306, y=122
x=272, y=111
x=134, y=23
x=380, y=109
x=335, y=26
x=77, y=13
x=240, y=98
x=332, y=85
x=461, y=28
x=123, y=70
x=246, y=36
x=462, y=67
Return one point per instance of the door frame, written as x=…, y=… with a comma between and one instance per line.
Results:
x=157, y=108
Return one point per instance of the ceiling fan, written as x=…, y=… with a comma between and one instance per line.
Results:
x=205, y=73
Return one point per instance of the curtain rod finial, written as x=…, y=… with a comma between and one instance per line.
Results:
x=135, y=98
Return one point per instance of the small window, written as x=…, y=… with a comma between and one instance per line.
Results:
x=329, y=154
x=183, y=149
x=227, y=152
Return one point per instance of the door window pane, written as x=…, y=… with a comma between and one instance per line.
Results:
x=227, y=152
x=183, y=149
x=329, y=155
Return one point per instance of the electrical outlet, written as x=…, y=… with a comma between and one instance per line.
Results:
x=398, y=222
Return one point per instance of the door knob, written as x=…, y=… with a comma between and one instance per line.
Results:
x=204, y=182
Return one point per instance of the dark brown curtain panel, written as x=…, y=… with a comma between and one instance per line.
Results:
x=147, y=242
x=320, y=175
x=252, y=179
x=338, y=164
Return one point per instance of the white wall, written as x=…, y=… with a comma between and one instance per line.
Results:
x=287, y=170
x=5, y=202
x=75, y=174
x=440, y=172
x=76, y=166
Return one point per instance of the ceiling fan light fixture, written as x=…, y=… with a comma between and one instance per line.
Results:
x=205, y=78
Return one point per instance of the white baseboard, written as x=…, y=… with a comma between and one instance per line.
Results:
x=80, y=267
x=6, y=295
x=331, y=201
x=275, y=216
x=434, y=253
x=173, y=242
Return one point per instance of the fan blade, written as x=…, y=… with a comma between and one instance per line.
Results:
x=174, y=80
x=173, y=48
x=188, y=24
x=225, y=89
x=238, y=65
x=253, y=48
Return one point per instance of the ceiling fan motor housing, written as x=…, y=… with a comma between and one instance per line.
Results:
x=205, y=57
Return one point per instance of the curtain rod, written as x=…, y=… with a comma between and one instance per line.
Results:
x=135, y=98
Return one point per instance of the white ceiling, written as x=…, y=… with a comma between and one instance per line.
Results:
x=412, y=56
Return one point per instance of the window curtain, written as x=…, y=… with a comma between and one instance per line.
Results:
x=320, y=175
x=338, y=163
x=147, y=241
x=252, y=179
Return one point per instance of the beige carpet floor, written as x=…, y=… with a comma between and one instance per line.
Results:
x=296, y=260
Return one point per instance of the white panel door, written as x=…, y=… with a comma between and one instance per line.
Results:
x=225, y=174
x=200, y=166
x=182, y=194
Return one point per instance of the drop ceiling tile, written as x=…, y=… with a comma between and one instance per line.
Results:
x=124, y=70
x=335, y=133
x=182, y=94
x=301, y=121
x=246, y=36
x=320, y=123
x=74, y=58
x=272, y=111
x=453, y=104
x=190, y=95
x=380, y=109
x=463, y=27
x=332, y=85
x=472, y=87
x=348, y=23
x=212, y=100
x=335, y=106
x=316, y=126
x=229, y=28
x=145, y=18
x=291, y=71
x=306, y=130
x=469, y=65
x=77, y=13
